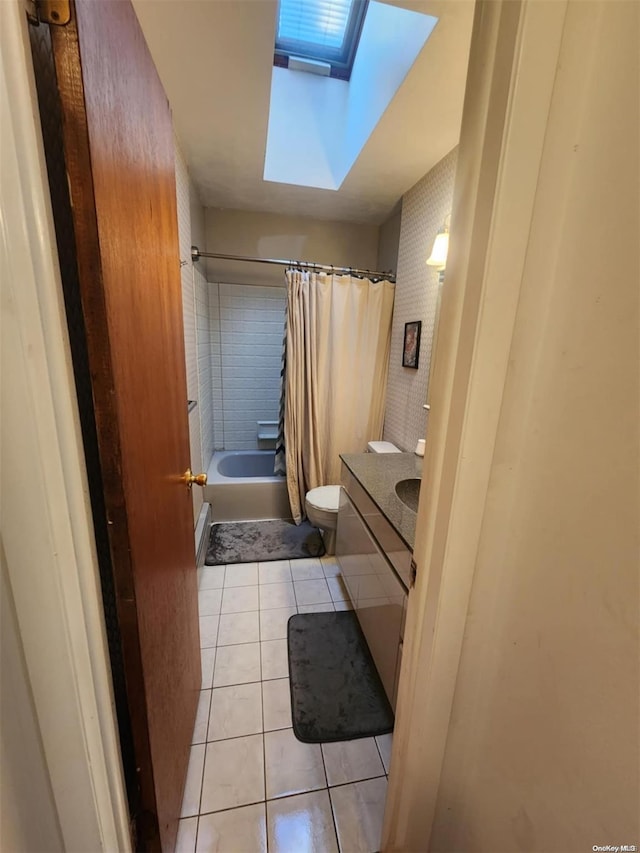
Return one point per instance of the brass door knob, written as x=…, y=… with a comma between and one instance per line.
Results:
x=190, y=478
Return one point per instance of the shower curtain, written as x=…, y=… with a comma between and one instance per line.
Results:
x=280, y=466
x=338, y=334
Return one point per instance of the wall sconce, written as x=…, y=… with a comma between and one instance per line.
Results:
x=438, y=256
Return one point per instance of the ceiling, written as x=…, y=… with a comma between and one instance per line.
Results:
x=215, y=59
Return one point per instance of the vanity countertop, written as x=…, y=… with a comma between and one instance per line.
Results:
x=378, y=474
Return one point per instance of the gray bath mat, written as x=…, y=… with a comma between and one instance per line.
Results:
x=261, y=541
x=336, y=692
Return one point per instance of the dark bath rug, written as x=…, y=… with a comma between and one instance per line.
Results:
x=336, y=692
x=261, y=541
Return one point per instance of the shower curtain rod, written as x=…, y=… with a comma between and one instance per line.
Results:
x=196, y=254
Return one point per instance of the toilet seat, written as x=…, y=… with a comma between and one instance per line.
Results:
x=321, y=505
x=325, y=498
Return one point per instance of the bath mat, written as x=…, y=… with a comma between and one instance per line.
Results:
x=336, y=692
x=261, y=541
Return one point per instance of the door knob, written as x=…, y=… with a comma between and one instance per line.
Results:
x=190, y=478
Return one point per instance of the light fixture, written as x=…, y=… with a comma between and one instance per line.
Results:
x=438, y=256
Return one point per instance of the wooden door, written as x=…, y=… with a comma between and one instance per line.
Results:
x=119, y=156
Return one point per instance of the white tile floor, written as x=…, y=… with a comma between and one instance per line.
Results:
x=252, y=787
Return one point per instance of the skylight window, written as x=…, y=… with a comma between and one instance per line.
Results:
x=324, y=31
x=306, y=146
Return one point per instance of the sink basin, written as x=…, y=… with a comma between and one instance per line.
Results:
x=409, y=492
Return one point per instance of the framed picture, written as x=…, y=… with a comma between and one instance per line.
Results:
x=411, y=346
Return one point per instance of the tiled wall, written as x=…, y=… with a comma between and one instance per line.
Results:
x=246, y=331
x=424, y=209
x=216, y=366
x=186, y=272
x=195, y=310
x=205, y=381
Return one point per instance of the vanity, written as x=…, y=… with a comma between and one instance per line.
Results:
x=374, y=545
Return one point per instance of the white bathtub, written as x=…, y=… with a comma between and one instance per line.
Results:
x=241, y=486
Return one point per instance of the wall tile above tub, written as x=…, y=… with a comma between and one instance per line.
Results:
x=216, y=364
x=187, y=278
x=195, y=312
x=186, y=272
x=205, y=367
x=247, y=324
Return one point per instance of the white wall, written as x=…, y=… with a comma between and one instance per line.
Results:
x=196, y=215
x=543, y=746
x=248, y=324
x=424, y=209
x=389, y=241
x=28, y=817
x=271, y=235
x=519, y=705
x=522, y=694
x=59, y=737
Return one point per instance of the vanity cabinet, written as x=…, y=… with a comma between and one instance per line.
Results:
x=373, y=560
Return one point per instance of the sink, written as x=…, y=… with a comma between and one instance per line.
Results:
x=409, y=492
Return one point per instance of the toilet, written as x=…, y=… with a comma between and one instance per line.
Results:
x=321, y=504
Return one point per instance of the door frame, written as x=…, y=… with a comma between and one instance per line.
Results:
x=46, y=525
x=515, y=47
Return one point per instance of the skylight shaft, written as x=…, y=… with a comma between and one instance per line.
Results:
x=382, y=44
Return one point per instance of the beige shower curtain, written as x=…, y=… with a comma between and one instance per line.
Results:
x=338, y=339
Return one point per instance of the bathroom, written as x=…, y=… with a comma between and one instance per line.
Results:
x=234, y=323
x=232, y=401
x=233, y=370
x=523, y=618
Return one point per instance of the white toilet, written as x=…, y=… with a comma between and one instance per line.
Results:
x=321, y=504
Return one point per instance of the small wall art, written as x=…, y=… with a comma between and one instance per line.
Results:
x=411, y=347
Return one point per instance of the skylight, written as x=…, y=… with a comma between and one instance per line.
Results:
x=318, y=125
x=320, y=30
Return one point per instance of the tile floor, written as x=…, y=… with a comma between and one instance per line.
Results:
x=251, y=786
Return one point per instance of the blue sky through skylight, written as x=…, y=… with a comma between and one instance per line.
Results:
x=321, y=22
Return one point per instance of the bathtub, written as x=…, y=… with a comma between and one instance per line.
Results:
x=241, y=486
